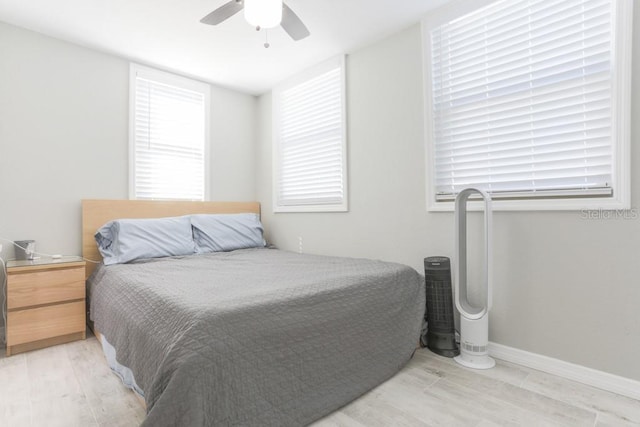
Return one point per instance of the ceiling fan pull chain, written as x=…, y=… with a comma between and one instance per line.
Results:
x=266, y=38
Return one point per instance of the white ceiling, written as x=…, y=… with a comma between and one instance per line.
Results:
x=168, y=34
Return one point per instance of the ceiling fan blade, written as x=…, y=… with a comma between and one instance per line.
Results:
x=292, y=24
x=223, y=13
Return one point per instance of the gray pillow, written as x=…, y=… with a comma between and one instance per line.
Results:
x=125, y=240
x=226, y=232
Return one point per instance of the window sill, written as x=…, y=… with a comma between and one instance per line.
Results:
x=311, y=208
x=577, y=204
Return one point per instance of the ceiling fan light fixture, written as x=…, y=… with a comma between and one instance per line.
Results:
x=263, y=13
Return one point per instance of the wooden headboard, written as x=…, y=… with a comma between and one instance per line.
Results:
x=95, y=213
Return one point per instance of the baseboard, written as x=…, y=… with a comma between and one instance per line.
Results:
x=582, y=374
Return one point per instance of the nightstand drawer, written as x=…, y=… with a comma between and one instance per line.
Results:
x=44, y=287
x=45, y=322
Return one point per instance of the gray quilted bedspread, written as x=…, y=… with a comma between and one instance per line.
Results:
x=257, y=337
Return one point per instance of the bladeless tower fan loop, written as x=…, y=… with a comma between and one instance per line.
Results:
x=474, y=319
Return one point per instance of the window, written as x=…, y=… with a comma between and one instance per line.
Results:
x=529, y=100
x=310, y=141
x=169, y=136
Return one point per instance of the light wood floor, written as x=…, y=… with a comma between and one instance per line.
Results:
x=70, y=385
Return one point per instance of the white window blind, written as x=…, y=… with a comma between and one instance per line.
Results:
x=310, y=141
x=169, y=136
x=522, y=99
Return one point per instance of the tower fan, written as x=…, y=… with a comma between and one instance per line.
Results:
x=474, y=318
x=440, y=336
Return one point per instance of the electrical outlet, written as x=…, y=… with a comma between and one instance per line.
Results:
x=299, y=244
x=0, y=247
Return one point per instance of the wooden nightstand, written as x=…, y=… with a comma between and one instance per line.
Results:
x=45, y=303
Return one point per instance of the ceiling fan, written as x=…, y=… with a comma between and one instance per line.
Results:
x=261, y=14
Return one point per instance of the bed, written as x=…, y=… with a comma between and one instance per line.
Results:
x=251, y=337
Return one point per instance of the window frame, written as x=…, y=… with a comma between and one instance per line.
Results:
x=291, y=82
x=622, y=16
x=177, y=81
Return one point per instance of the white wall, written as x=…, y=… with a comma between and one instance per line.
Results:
x=564, y=286
x=64, y=137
